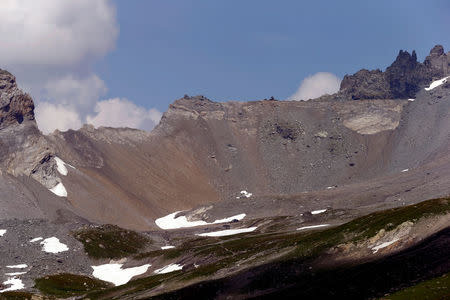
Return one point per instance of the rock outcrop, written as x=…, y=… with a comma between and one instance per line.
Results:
x=401, y=80
x=15, y=105
x=23, y=149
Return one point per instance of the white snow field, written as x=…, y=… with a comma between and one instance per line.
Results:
x=437, y=83
x=405, y=170
x=170, y=222
x=53, y=245
x=115, y=274
x=411, y=100
x=316, y=212
x=2, y=232
x=15, y=284
x=61, y=166
x=59, y=190
x=227, y=232
x=167, y=247
x=21, y=266
x=313, y=226
x=385, y=244
x=169, y=268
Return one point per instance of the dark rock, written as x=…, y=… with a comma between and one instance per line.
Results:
x=365, y=84
x=401, y=80
x=15, y=105
x=24, y=150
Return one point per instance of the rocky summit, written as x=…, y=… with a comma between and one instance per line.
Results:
x=402, y=79
x=235, y=200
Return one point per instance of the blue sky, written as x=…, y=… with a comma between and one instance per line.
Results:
x=120, y=63
x=247, y=50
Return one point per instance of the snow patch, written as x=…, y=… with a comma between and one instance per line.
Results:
x=316, y=212
x=169, y=268
x=53, y=245
x=61, y=166
x=21, y=266
x=59, y=190
x=15, y=273
x=2, y=232
x=313, y=226
x=246, y=194
x=385, y=244
x=330, y=187
x=115, y=274
x=36, y=239
x=227, y=232
x=437, y=83
x=411, y=100
x=170, y=222
x=405, y=170
x=167, y=247
x=15, y=284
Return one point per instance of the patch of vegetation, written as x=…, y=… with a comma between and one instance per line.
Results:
x=66, y=285
x=109, y=241
x=367, y=226
x=247, y=249
x=14, y=295
x=434, y=289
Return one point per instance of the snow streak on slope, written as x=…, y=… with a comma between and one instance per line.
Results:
x=169, y=268
x=437, y=83
x=21, y=266
x=115, y=274
x=61, y=166
x=384, y=245
x=36, y=239
x=313, y=226
x=228, y=232
x=172, y=222
x=15, y=284
x=59, y=190
x=167, y=247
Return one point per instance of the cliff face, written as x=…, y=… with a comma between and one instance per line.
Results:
x=401, y=80
x=24, y=150
x=15, y=106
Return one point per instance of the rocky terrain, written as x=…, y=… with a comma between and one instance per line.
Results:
x=338, y=184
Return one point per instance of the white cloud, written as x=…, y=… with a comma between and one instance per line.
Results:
x=51, y=47
x=123, y=113
x=51, y=116
x=78, y=93
x=317, y=85
x=55, y=32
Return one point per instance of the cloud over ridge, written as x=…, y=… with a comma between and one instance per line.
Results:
x=51, y=46
x=317, y=85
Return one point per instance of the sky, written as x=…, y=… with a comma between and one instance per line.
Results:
x=122, y=62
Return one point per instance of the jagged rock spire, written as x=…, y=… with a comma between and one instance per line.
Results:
x=402, y=79
x=15, y=105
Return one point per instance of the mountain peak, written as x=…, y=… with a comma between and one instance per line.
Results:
x=401, y=80
x=437, y=50
x=15, y=105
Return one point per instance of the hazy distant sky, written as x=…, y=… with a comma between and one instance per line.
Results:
x=247, y=50
x=122, y=62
